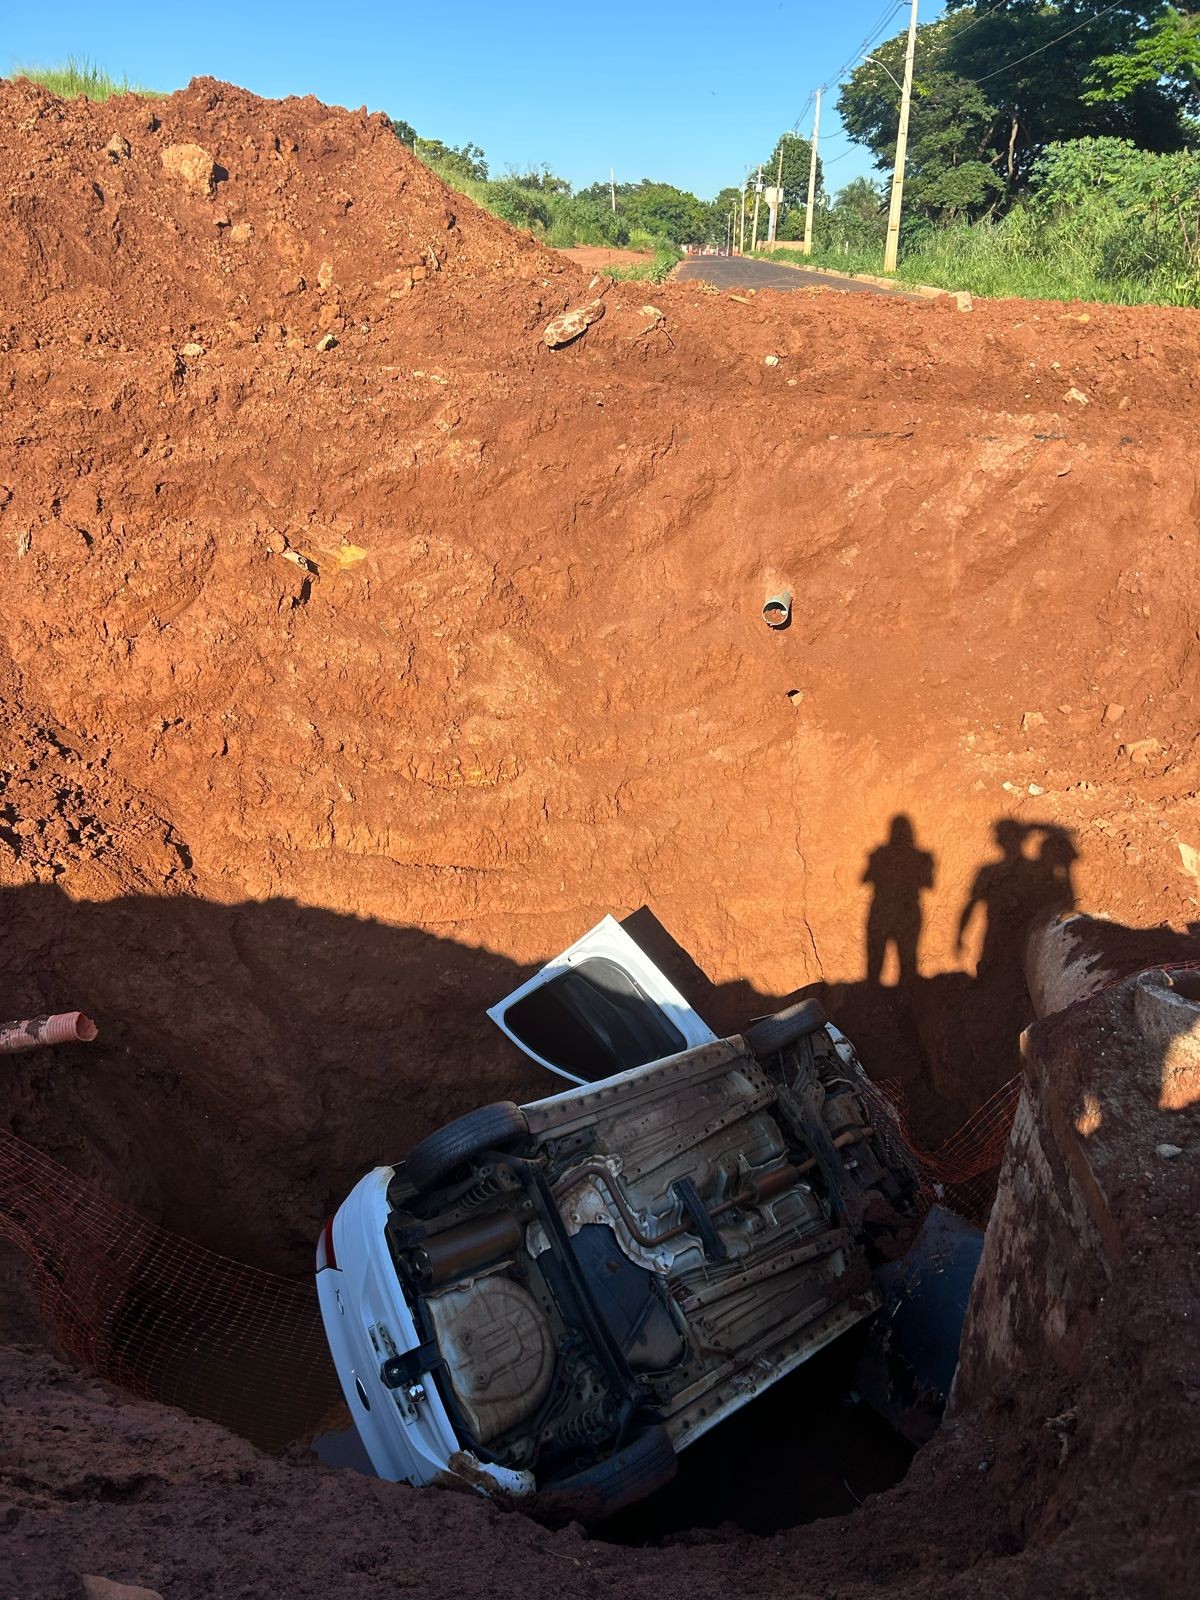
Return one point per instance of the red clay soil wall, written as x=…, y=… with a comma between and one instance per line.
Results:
x=1081, y=1336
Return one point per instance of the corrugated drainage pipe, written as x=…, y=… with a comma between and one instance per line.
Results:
x=64, y=1027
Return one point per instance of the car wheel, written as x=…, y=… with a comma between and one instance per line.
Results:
x=493, y=1127
x=646, y=1463
x=769, y=1035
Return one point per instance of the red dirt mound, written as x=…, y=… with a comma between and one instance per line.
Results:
x=341, y=685
x=136, y=221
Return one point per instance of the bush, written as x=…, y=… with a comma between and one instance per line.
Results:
x=524, y=208
x=656, y=270
x=1138, y=212
x=1104, y=221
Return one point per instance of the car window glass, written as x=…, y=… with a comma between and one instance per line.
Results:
x=593, y=1020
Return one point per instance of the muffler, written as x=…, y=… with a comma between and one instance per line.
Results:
x=458, y=1251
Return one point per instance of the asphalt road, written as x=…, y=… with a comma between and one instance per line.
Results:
x=739, y=272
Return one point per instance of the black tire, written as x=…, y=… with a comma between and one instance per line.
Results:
x=646, y=1463
x=493, y=1127
x=769, y=1035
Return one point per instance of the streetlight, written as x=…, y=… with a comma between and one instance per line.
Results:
x=888, y=70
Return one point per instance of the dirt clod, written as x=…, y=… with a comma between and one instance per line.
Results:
x=1141, y=750
x=565, y=329
x=192, y=164
x=98, y=1588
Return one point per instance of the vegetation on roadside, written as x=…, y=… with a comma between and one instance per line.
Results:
x=649, y=216
x=1017, y=182
x=1101, y=220
x=664, y=261
x=78, y=76
x=1052, y=154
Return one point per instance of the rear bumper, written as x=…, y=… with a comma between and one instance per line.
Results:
x=367, y=1320
x=409, y=1437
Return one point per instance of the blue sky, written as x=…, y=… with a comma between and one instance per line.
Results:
x=688, y=93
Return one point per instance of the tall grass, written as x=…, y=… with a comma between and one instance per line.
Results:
x=1090, y=253
x=656, y=270
x=77, y=77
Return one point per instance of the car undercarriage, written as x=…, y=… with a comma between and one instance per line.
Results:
x=603, y=1275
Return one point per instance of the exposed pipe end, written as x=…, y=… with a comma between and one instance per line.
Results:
x=777, y=610
x=32, y=1033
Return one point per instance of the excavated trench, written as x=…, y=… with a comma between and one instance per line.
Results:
x=341, y=687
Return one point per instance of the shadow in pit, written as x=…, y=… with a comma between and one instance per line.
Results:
x=804, y=1450
x=256, y=1058
x=951, y=1039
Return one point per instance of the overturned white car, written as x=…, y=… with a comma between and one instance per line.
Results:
x=560, y=1297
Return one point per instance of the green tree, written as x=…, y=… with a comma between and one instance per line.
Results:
x=664, y=212
x=797, y=156
x=1166, y=57
x=864, y=199
x=465, y=163
x=539, y=178
x=1035, y=54
x=994, y=85
x=404, y=131
x=719, y=209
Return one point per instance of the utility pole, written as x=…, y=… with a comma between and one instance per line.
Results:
x=742, y=224
x=758, y=189
x=892, y=248
x=812, y=176
x=778, y=193
x=612, y=187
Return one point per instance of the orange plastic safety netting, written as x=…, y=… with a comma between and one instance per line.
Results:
x=963, y=1171
x=166, y=1318
x=180, y=1324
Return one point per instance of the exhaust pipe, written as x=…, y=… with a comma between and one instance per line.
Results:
x=463, y=1249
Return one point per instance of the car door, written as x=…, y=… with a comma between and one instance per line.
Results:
x=600, y=1008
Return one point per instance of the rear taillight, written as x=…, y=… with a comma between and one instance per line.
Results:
x=325, y=1252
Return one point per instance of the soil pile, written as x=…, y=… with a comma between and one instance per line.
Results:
x=360, y=652
x=137, y=221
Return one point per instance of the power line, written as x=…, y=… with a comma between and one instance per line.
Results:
x=803, y=112
x=885, y=17
x=1050, y=43
x=975, y=21
x=866, y=44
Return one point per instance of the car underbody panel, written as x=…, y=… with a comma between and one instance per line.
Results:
x=661, y=1246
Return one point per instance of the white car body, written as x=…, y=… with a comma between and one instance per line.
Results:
x=405, y=1430
x=373, y=1328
